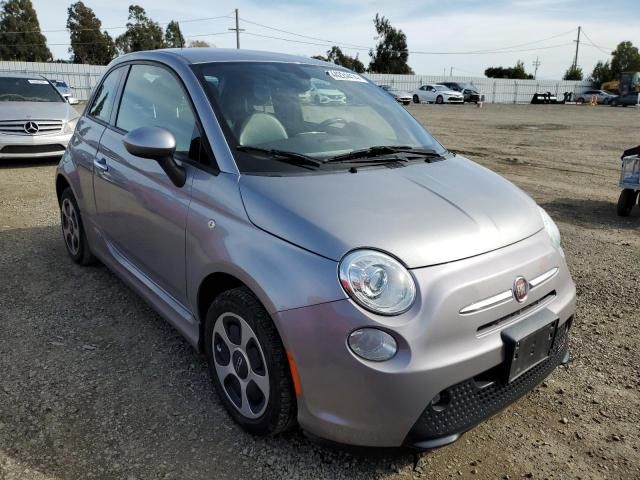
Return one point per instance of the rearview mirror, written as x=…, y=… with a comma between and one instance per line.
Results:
x=157, y=144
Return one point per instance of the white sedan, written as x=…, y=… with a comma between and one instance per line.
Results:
x=437, y=94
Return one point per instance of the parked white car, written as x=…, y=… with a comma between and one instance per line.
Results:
x=437, y=94
x=323, y=93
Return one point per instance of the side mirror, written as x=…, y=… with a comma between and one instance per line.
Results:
x=159, y=144
x=73, y=100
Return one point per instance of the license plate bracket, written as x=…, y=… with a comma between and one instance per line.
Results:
x=528, y=343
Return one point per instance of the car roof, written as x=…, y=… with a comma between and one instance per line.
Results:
x=20, y=75
x=206, y=55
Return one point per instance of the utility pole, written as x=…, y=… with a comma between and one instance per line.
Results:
x=575, y=60
x=536, y=64
x=451, y=72
x=237, y=30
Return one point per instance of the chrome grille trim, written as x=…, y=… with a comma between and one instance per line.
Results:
x=16, y=127
x=506, y=296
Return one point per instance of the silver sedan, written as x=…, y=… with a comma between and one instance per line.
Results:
x=35, y=119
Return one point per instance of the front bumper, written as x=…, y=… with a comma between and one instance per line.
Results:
x=349, y=400
x=454, y=100
x=33, y=146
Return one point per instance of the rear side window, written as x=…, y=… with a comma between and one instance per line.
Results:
x=152, y=96
x=103, y=100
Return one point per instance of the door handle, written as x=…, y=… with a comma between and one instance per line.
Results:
x=101, y=164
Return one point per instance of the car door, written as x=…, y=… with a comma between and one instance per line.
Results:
x=142, y=214
x=430, y=94
x=84, y=143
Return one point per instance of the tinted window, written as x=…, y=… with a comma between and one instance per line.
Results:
x=16, y=89
x=152, y=96
x=103, y=102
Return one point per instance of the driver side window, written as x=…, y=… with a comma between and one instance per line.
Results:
x=152, y=96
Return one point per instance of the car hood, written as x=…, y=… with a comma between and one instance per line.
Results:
x=399, y=93
x=424, y=214
x=37, y=111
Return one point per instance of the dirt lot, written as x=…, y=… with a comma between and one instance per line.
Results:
x=93, y=384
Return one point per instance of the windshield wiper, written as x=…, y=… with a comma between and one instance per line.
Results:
x=380, y=151
x=293, y=158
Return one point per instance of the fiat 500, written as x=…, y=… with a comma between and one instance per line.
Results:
x=337, y=266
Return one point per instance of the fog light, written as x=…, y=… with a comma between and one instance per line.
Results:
x=373, y=344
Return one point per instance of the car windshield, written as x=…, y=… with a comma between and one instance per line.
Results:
x=18, y=89
x=274, y=106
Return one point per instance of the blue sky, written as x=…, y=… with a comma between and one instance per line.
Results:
x=436, y=27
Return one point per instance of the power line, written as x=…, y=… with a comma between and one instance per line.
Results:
x=115, y=28
x=593, y=44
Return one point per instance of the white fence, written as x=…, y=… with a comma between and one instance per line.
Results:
x=82, y=78
x=495, y=90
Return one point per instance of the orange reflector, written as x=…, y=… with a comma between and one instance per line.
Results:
x=294, y=374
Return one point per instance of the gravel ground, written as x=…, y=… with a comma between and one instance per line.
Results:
x=93, y=384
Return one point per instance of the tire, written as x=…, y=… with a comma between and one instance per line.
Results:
x=253, y=382
x=580, y=100
x=626, y=202
x=73, y=233
x=416, y=99
x=439, y=100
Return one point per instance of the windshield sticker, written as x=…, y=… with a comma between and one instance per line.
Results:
x=38, y=82
x=345, y=76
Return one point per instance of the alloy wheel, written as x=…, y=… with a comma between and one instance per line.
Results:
x=240, y=365
x=70, y=226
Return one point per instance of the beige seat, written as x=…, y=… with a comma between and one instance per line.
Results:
x=261, y=128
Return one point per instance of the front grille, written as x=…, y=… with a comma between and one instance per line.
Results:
x=462, y=406
x=32, y=149
x=16, y=127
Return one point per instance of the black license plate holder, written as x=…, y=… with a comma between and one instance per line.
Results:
x=529, y=343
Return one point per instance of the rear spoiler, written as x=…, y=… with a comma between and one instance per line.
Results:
x=631, y=151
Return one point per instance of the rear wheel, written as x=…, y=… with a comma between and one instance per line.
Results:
x=416, y=99
x=439, y=100
x=580, y=100
x=248, y=363
x=626, y=201
x=75, y=239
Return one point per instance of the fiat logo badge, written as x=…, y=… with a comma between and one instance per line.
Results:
x=520, y=289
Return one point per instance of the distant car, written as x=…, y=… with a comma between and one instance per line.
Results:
x=602, y=96
x=65, y=90
x=469, y=92
x=437, y=94
x=400, y=95
x=625, y=100
x=35, y=119
x=323, y=93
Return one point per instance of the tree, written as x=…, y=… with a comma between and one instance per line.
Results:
x=601, y=73
x=625, y=58
x=198, y=44
x=142, y=33
x=574, y=72
x=88, y=43
x=516, y=72
x=173, y=36
x=20, y=37
x=391, y=53
x=336, y=56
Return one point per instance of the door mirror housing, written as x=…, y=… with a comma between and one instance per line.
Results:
x=159, y=144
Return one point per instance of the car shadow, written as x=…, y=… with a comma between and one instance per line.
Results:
x=591, y=214
x=95, y=384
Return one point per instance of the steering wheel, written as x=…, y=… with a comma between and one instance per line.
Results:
x=332, y=121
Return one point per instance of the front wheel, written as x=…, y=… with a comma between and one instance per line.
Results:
x=416, y=99
x=248, y=363
x=626, y=201
x=75, y=239
x=439, y=100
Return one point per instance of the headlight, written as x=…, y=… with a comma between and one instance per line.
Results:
x=377, y=282
x=70, y=126
x=551, y=228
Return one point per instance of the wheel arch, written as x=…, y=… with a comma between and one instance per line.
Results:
x=61, y=185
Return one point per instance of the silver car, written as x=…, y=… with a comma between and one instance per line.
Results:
x=35, y=119
x=399, y=96
x=337, y=266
